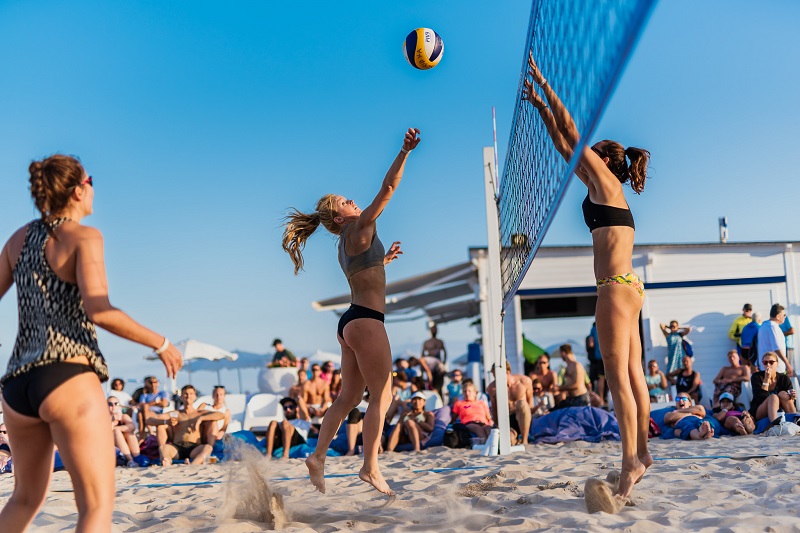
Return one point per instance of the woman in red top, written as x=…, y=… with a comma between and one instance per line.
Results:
x=474, y=413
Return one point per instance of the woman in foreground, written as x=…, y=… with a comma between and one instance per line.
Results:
x=51, y=390
x=366, y=356
x=604, y=168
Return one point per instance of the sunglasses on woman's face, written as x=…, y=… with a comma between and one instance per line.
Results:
x=113, y=404
x=770, y=362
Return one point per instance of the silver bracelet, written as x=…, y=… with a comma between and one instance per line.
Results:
x=404, y=150
x=542, y=83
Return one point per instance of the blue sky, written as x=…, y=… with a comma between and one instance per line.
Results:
x=202, y=122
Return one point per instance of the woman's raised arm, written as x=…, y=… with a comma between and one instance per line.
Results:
x=390, y=181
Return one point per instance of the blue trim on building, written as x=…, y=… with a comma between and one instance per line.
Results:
x=561, y=291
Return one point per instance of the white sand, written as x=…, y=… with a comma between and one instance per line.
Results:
x=539, y=489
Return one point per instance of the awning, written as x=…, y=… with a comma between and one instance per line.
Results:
x=442, y=295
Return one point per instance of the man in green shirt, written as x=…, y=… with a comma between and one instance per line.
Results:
x=282, y=357
x=739, y=323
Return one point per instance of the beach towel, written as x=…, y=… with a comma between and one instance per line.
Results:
x=574, y=423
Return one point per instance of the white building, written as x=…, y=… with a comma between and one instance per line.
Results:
x=702, y=285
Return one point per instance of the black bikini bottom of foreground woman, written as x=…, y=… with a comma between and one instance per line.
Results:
x=26, y=393
x=357, y=311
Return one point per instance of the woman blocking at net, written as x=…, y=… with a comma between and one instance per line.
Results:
x=51, y=390
x=366, y=356
x=603, y=168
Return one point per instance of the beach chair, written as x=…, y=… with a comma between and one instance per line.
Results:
x=261, y=410
x=237, y=403
x=206, y=398
x=746, y=396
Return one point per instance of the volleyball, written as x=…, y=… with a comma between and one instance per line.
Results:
x=423, y=48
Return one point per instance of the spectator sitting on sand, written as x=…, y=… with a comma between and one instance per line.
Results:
x=125, y=400
x=124, y=431
x=772, y=390
x=317, y=395
x=574, y=384
x=732, y=416
x=293, y=430
x=414, y=427
x=296, y=390
x=687, y=380
x=656, y=381
x=217, y=428
x=520, y=398
x=149, y=401
x=473, y=413
x=542, y=401
x=730, y=378
x=546, y=377
x=454, y=388
x=184, y=440
x=684, y=421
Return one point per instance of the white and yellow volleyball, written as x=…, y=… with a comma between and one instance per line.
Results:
x=423, y=48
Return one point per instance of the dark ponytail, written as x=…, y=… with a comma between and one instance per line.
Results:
x=635, y=172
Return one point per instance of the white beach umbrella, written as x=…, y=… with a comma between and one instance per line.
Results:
x=192, y=349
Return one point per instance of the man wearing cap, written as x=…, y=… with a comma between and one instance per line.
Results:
x=294, y=429
x=414, y=427
x=733, y=417
x=739, y=323
x=282, y=357
x=730, y=378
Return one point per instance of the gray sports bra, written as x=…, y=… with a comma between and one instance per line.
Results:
x=371, y=257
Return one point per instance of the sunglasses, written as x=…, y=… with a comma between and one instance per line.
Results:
x=681, y=399
x=537, y=389
x=289, y=406
x=113, y=404
x=88, y=181
x=3, y=432
x=770, y=362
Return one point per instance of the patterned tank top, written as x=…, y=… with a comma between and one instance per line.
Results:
x=53, y=325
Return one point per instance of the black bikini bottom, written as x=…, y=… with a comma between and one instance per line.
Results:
x=26, y=392
x=357, y=311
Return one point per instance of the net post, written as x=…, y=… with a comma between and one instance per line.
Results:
x=492, y=302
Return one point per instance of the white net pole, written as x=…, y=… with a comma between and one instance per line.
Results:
x=491, y=323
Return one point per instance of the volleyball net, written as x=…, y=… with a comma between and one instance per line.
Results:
x=581, y=47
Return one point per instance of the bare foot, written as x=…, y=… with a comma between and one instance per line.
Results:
x=627, y=478
x=166, y=462
x=376, y=480
x=706, y=431
x=647, y=460
x=316, y=471
x=350, y=453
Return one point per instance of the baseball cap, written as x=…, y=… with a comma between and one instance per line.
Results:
x=419, y=395
x=726, y=396
x=284, y=401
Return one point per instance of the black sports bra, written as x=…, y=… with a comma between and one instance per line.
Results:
x=603, y=216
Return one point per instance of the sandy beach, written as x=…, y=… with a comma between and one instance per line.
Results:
x=758, y=489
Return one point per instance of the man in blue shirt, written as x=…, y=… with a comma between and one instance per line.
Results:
x=149, y=401
x=746, y=336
